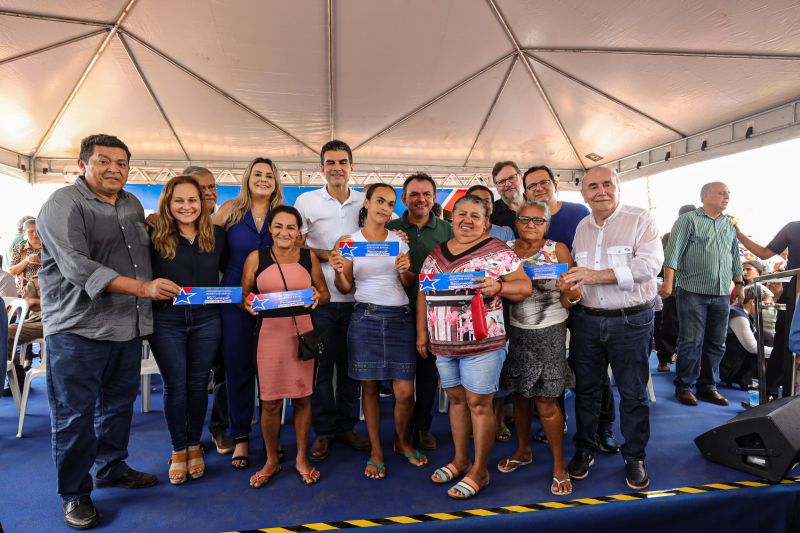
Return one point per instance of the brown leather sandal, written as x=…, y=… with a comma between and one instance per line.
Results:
x=177, y=468
x=196, y=464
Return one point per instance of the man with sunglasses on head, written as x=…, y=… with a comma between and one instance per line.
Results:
x=540, y=185
x=507, y=179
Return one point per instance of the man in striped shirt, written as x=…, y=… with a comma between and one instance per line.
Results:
x=704, y=251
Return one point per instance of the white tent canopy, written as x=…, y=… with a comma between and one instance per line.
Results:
x=450, y=86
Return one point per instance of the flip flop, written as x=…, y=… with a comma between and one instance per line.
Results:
x=502, y=434
x=511, y=464
x=558, y=483
x=257, y=478
x=308, y=477
x=423, y=461
x=446, y=474
x=467, y=488
x=379, y=468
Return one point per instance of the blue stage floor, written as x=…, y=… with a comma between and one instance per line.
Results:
x=223, y=501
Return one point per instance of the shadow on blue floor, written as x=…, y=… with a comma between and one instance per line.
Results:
x=223, y=501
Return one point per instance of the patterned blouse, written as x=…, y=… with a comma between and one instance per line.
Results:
x=31, y=272
x=542, y=308
x=449, y=317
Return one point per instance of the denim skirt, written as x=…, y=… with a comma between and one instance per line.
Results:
x=381, y=343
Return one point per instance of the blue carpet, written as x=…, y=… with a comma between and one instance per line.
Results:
x=223, y=501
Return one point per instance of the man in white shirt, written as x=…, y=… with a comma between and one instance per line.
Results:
x=618, y=256
x=328, y=213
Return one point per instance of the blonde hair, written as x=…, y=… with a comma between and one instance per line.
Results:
x=243, y=202
x=165, y=235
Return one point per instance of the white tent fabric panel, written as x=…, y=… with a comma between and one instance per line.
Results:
x=32, y=90
x=125, y=104
x=22, y=36
x=100, y=11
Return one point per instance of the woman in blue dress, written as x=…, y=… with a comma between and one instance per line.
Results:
x=244, y=218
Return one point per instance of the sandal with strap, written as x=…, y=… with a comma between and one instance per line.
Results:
x=259, y=479
x=240, y=462
x=177, y=468
x=420, y=459
x=511, y=464
x=556, y=486
x=466, y=488
x=502, y=434
x=311, y=477
x=445, y=474
x=196, y=463
x=379, y=468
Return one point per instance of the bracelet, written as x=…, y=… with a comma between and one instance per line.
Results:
x=501, y=287
x=573, y=302
x=739, y=283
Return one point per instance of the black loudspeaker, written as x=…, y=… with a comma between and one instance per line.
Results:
x=764, y=441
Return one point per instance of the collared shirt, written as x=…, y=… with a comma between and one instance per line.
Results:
x=325, y=219
x=421, y=241
x=788, y=238
x=502, y=215
x=564, y=223
x=627, y=243
x=704, y=252
x=86, y=244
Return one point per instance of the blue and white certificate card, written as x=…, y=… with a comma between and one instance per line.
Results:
x=449, y=282
x=208, y=295
x=351, y=249
x=549, y=271
x=280, y=300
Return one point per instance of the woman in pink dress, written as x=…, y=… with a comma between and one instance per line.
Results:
x=281, y=374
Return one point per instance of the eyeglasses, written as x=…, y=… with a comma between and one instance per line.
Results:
x=543, y=184
x=503, y=182
x=537, y=221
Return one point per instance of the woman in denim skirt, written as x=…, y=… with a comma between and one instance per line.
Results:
x=380, y=338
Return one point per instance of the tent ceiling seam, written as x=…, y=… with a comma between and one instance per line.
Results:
x=604, y=94
x=53, y=18
x=330, y=65
x=49, y=47
x=539, y=87
x=241, y=105
x=435, y=99
x=103, y=45
x=500, y=90
x=675, y=53
x=152, y=93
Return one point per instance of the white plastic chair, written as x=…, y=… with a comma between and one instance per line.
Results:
x=14, y=306
x=38, y=371
x=149, y=367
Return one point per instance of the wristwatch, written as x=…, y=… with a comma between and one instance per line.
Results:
x=739, y=283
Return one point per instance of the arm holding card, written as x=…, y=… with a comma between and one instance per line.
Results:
x=321, y=293
x=423, y=343
x=570, y=294
x=403, y=266
x=248, y=282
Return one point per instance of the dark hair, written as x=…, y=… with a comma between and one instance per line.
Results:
x=335, y=144
x=100, y=139
x=419, y=176
x=536, y=169
x=275, y=211
x=758, y=265
x=481, y=188
x=437, y=210
x=474, y=200
x=500, y=165
x=194, y=171
x=362, y=213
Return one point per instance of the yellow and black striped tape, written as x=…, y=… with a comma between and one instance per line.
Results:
x=545, y=506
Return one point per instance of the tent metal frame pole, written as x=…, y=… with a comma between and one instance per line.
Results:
x=539, y=87
x=53, y=18
x=103, y=45
x=433, y=100
x=604, y=94
x=330, y=65
x=52, y=46
x=673, y=53
x=238, y=103
x=500, y=90
x=152, y=93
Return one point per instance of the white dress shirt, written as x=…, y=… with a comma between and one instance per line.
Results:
x=627, y=243
x=324, y=221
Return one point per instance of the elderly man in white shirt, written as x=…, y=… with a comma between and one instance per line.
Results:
x=618, y=256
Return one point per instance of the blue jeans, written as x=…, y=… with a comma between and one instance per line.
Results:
x=702, y=328
x=334, y=409
x=623, y=342
x=91, y=388
x=185, y=341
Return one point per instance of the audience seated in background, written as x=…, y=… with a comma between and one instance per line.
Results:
x=25, y=256
x=738, y=365
x=18, y=236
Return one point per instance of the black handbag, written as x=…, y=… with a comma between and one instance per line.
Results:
x=311, y=344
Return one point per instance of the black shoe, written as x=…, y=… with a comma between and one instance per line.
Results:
x=606, y=441
x=132, y=479
x=580, y=463
x=426, y=440
x=636, y=474
x=81, y=513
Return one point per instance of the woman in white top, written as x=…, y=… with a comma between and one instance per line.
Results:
x=381, y=338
